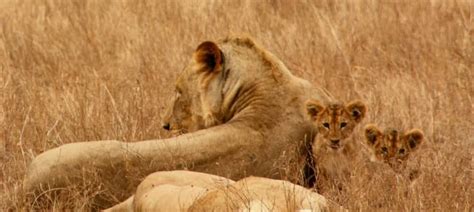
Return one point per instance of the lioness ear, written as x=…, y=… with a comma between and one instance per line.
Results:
x=313, y=108
x=414, y=138
x=357, y=110
x=372, y=134
x=209, y=57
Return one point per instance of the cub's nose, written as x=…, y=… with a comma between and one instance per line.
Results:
x=166, y=126
x=335, y=142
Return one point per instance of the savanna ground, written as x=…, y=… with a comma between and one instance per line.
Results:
x=81, y=70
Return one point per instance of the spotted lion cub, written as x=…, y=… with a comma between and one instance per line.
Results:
x=393, y=146
x=334, y=149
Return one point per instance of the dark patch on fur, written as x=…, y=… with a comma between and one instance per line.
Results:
x=371, y=136
x=209, y=54
x=412, y=143
x=309, y=170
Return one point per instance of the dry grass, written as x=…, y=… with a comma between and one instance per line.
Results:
x=83, y=70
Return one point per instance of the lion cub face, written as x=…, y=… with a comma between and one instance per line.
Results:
x=392, y=146
x=194, y=103
x=335, y=122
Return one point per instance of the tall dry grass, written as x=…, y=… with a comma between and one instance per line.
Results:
x=81, y=70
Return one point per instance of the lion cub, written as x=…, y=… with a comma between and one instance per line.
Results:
x=393, y=146
x=333, y=149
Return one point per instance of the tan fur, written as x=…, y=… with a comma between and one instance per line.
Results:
x=260, y=194
x=171, y=191
x=334, y=150
x=193, y=191
x=125, y=206
x=393, y=147
x=236, y=116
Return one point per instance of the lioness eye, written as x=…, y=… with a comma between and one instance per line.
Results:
x=326, y=125
x=343, y=124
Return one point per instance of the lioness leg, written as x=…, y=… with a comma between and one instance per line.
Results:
x=108, y=161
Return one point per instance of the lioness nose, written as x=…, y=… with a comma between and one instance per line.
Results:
x=166, y=126
x=335, y=142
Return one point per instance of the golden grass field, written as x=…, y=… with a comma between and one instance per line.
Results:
x=81, y=70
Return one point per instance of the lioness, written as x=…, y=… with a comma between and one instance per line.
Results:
x=334, y=149
x=193, y=191
x=393, y=146
x=171, y=191
x=236, y=104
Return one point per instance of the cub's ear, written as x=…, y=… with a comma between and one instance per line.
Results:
x=314, y=108
x=357, y=109
x=372, y=134
x=209, y=57
x=414, y=138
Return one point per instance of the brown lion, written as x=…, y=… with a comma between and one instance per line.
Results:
x=171, y=191
x=334, y=149
x=239, y=107
x=394, y=147
x=194, y=191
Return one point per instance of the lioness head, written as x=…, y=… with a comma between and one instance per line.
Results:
x=190, y=110
x=335, y=122
x=392, y=146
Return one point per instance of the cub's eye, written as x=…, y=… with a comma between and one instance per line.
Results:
x=343, y=124
x=384, y=149
x=401, y=151
x=326, y=125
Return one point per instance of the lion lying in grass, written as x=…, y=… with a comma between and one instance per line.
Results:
x=193, y=191
x=240, y=109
